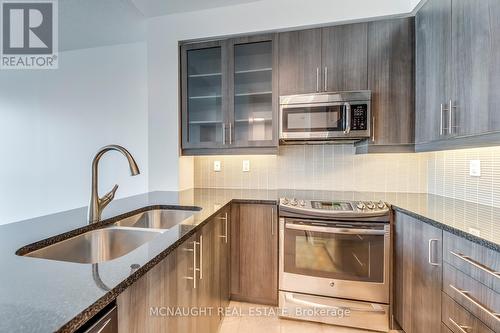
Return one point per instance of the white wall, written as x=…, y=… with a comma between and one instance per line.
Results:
x=164, y=32
x=52, y=122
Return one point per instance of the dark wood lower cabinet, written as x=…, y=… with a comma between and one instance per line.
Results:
x=458, y=319
x=254, y=258
x=193, y=281
x=158, y=288
x=417, y=275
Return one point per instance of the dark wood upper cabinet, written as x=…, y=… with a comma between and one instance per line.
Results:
x=344, y=57
x=229, y=95
x=433, y=32
x=254, y=253
x=253, y=91
x=458, y=74
x=417, y=275
x=391, y=75
x=203, y=95
x=475, y=66
x=300, y=62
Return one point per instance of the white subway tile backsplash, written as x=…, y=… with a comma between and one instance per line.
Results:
x=448, y=175
x=322, y=167
x=336, y=167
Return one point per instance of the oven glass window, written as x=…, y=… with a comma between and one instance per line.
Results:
x=353, y=257
x=313, y=119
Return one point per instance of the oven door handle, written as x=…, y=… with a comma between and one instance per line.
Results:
x=334, y=230
x=291, y=298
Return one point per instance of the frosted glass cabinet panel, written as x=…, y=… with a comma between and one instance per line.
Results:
x=254, y=104
x=229, y=95
x=203, y=115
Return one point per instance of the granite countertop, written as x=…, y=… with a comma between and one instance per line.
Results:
x=40, y=295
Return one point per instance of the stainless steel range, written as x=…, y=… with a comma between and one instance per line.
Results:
x=335, y=262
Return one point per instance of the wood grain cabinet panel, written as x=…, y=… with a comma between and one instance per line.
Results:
x=476, y=66
x=472, y=259
x=254, y=253
x=224, y=231
x=156, y=289
x=417, y=275
x=391, y=80
x=344, y=57
x=194, y=276
x=433, y=76
x=300, y=62
x=481, y=301
x=459, y=320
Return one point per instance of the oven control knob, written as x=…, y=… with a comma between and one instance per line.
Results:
x=294, y=202
x=381, y=205
x=284, y=201
x=370, y=205
x=360, y=205
x=302, y=203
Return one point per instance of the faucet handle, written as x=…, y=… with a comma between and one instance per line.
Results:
x=108, y=197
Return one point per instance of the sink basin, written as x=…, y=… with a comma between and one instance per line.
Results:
x=156, y=219
x=96, y=246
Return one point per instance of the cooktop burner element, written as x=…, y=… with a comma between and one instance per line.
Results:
x=333, y=208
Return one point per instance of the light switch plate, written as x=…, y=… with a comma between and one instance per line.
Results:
x=475, y=168
x=217, y=166
x=246, y=165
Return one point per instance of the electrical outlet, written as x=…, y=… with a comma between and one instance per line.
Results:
x=217, y=166
x=246, y=166
x=475, y=168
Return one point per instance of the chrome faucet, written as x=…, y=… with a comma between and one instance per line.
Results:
x=97, y=204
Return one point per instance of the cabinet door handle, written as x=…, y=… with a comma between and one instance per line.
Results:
x=230, y=133
x=326, y=78
x=225, y=236
x=272, y=221
x=194, y=264
x=461, y=328
x=474, y=263
x=441, y=128
x=431, y=242
x=451, y=119
x=317, y=79
x=465, y=294
x=225, y=224
x=224, y=134
x=201, y=257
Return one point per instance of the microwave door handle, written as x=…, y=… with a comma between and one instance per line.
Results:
x=347, y=117
x=333, y=230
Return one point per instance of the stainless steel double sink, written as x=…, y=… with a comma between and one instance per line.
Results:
x=115, y=241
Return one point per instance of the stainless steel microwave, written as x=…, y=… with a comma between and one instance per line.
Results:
x=325, y=117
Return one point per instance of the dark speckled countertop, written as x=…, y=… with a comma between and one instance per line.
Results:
x=38, y=295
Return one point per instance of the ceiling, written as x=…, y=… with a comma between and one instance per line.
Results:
x=164, y=7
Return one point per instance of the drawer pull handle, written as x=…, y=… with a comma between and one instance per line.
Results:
x=465, y=294
x=431, y=251
x=474, y=263
x=462, y=328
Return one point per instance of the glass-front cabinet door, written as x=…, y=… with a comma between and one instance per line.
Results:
x=253, y=71
x=203, y=94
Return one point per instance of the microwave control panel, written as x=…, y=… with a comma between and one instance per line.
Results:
x=359, y=117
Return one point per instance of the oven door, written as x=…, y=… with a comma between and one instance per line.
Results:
x=338, y=259
x=313, y=121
